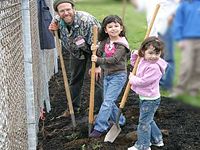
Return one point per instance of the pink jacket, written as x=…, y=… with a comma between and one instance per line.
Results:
x=148, y=75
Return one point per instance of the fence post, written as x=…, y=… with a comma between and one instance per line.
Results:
x=28, y=68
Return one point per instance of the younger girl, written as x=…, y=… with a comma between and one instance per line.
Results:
x=146, y=84
x=112, y=57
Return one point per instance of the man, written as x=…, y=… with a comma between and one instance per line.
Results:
x=187, y=35
x=75, y=30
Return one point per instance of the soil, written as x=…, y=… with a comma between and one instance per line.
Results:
x=179, y=122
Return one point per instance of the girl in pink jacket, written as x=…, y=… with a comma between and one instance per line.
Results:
x=146, y=84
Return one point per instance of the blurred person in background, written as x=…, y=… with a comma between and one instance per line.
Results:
x=75, y=30
x=186, y=31
x=162, y=29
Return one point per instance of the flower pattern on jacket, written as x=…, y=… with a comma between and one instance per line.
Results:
x=79, y=39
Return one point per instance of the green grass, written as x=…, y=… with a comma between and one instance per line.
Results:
x=135, y=23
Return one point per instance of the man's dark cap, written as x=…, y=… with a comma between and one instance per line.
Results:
x=57, y=2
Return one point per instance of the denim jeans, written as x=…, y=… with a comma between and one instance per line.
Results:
x=166, y=81
x=147, y=130
x=113, y=85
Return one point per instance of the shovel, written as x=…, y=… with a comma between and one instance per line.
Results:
x=123, y=9
x=92, y=84
x=66, y=84
x=115, y=129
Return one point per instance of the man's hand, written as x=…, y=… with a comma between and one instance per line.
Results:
x=53, y=26
x=54, y=23
x=97, y=73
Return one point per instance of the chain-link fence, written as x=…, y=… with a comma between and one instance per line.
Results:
x=25, y=70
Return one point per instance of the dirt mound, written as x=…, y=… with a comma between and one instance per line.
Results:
x=179, y=122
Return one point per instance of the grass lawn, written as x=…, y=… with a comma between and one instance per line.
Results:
x=135, y=23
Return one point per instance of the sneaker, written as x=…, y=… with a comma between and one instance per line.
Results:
x=134, y=148
x=95, y=134
x=159, y=144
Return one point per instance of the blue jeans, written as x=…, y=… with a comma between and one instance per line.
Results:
x=166, y=81
x=147, y=130
x=113, y=85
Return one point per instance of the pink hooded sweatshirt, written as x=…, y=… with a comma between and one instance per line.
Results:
x=148, y=75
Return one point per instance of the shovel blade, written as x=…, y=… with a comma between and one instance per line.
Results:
x=112, y=133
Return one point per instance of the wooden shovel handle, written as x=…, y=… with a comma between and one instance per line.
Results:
x=92, y=84
x=66, y=84
x=126, y=92
x=152, y=20
x=123, y=9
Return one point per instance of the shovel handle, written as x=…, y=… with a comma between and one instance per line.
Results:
x=128, y=86
x=152, y=20
x=66, y=84
x=123, y=9
x=92, y=83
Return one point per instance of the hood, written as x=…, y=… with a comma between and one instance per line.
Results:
x=162, y=64
x=123, y=41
